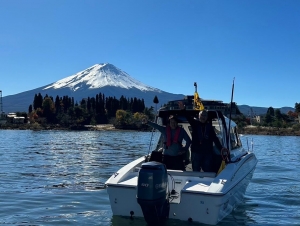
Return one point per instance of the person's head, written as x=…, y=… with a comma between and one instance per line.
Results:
x=173, y=121
x=203, y=115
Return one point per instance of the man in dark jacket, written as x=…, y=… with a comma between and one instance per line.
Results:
x=203, y=137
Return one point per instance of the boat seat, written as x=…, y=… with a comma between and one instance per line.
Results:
x=156, y=156
x=185, y=173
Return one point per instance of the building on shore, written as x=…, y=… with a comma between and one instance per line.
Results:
x=14, y=119
x=257, y=119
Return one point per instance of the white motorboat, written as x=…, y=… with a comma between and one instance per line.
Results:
x=145, y=188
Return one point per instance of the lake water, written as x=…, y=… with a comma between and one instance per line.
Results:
x=57, y=178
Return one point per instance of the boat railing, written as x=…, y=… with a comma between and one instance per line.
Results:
x=191, y=173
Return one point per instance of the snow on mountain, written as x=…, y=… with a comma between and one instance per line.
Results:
x=98, y=76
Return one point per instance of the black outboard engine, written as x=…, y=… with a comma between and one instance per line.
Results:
x=152, y=192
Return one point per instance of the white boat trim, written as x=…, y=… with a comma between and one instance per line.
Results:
x=203, y=197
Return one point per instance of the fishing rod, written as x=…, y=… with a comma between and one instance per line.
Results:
x=150, y=141
x=228, y=137
x=150, y=145
x=247, y=144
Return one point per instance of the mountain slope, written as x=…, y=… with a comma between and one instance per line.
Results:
x=246, y=110
x=108, y=80
x=100, y=78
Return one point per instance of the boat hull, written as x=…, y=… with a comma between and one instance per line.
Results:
x=201, y=199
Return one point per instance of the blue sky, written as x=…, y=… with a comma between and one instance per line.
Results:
x=167, y=44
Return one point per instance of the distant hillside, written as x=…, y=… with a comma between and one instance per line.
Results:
x=246, y=110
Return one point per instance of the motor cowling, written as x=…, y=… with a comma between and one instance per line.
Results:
x=152, y=192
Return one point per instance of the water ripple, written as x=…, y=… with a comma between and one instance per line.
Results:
x=57, y=178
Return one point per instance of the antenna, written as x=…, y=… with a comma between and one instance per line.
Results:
x=195, y=84
x=1, y=107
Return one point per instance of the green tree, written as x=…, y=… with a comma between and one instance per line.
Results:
x=278, y=115
x=277, y=124
x=79, y=114
x=57, y=104
x=297, y=107
x=122, y=117
x=30, y=109
x=123, y=103
x=83, y=103
x=48, y=109
x=268, y=118
x=37, y=101
x=271, y=111
x=135, y=105
x=88, y=104
x=155, y=101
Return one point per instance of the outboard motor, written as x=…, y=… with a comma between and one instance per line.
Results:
x=152, y=192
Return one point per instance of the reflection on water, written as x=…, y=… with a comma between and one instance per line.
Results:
x=57, y=177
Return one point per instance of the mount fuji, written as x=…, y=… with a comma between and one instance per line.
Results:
x=100, y=78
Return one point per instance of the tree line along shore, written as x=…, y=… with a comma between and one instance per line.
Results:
x=108, y=113
x=250, y=130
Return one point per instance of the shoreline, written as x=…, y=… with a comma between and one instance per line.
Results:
x=250, y=130
x=259, y=130
x=35, y=127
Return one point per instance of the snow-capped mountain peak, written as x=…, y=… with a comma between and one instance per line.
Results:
x=98, y=76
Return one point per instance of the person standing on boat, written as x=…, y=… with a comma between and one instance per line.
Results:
x=203, y=137
x=173, y=150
